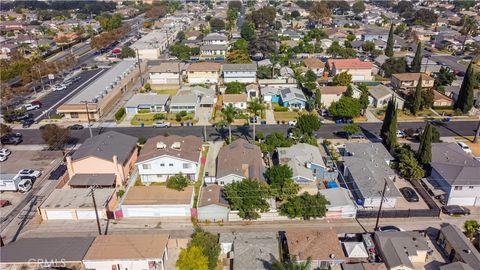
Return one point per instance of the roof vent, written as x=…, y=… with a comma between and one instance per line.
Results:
x=176, y=145
x=468, y=251
x=332, y=256
x=161, y=145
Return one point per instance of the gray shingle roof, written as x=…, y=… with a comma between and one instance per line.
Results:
x=379, y=91
x=239, y=67
x=215, y=36
x=211, y=47
x=104, y=179
x=456, y=266
x=71, y=249
x=297, y=156
x=77, y=198
x=107, y=145
x=292, y=93
x=459, y=242
x=232, y=158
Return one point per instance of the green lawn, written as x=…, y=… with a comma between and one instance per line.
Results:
x=170, y=92
x=285, y=116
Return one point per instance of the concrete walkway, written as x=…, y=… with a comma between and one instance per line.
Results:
x=203, y=114
x=270, y=117
x=210, y=164
x=371, y=117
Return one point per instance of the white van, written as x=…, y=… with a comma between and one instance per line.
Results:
x=14, y=182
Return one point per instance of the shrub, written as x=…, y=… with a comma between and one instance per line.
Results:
x=144, y=111
x=178, y=182
x=158, y=116
x=147, y=87
x=178, y=117
x=141, y=140
x=183, y=113
x=280, y=109
x=119, y=114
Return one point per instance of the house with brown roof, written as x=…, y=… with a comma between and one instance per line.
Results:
x=360, y=70
x=331, y=94
x=238, y=101
x=322, y=247
x=165, y=156
x=103, y=160
x=440, y=99
x=203, y=72
x=212, y=205
x=157, y=201
x=239, y=160
x=314, y=64
x=169, y=73
x=128, y=251
x=409, y=81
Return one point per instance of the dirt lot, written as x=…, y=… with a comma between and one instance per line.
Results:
x=404, y=204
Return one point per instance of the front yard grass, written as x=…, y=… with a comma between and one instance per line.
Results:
x=147, y=119
x=171, y=92
x=285, y=116
x=405, y=115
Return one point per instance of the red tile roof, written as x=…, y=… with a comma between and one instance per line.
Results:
x=353, y=63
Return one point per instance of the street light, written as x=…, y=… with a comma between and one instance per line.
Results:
x=385, y=187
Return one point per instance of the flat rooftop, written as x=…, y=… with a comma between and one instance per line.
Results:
x=104, y=83
x=152, y=40
x=77, y=198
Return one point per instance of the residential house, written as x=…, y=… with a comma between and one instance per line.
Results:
x=203, y=72
x=157, y=201
x=331, y=94
x=146, y=102
x=402, y=250
x=238, y=101
x=165, y=156
x=305, y=160
x=292, y=98
x=366, y=170
x=193, y=35
x=108, y=156
x=77, y=204
x=213, y=52
x=409, y=81
x=169, y=73
x=292, y=34
x=239, y=160
x=128, y=251
x=252, y=91
x=250, y=250
x=152, y=45
x=440, y=100
x=456, y=266
x=36, y=253
x=321, y=247
x=360, y=70
x=372, y=34
x=187, y=102
x=456, y=173
x=243, y=73
x=457, y=247
x=420, y=34
x=380, y=95
x=215, y=39
x=314, y=64
x=212, y=205
x=341, y=204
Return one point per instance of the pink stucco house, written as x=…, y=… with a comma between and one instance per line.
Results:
x=104, y=160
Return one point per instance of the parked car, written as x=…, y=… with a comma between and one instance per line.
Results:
x=400, y=134
x=389, y=228
x=23, y=117
x=455, y=210
x=11, y=139
x=59, y=87
x=292, y=123
x=413, y=133
x=465, y=147
x=5, y=152
x=30, y=107
x=75, y=127
x=409, y=194
x=30, y=173
x=27, y=123
x=4, y=203
x=162, y=124
x=3, y=157
x=36, y=102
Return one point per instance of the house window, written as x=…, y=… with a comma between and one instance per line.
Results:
x=74, y=115
x=171, y=164
x=162, y=164
x=470, y=187
x=186, y=165
x=146, y=166
x=222, y=183
x=458, y=188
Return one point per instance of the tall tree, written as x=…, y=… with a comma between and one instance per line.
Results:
x=248, y=196
x=358, y=7
x=209, y=244
x=424, y=154
x=319, y=11
x=305, y=206
x=318, y=98
x=282, y=186
x=469, y=27
x=417, y=98
x=465, y=96
x=417, y=60
x=389, y=127
x=471, y=227
x=389, y=47
x=364, y=102
x=254, y=107
x=229, y=113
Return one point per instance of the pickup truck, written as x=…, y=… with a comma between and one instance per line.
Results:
x=14, y=182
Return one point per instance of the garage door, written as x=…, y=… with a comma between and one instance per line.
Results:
x=465, y=201
x=156, y=211
x=358, y=78
x=53, y=215
x=87, y=215
x=138, y=211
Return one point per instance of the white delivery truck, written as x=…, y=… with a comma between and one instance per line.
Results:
x=14, y=182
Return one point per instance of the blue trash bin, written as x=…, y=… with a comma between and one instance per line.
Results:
x=348, y=121
x=142, y=124
x=339, y=121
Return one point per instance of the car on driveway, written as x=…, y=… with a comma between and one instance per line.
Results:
x=162, y=124
x=409, y=194
x=75, y=127
x=465, y=147
x=29, y=173
x=357, y=136
x=3, y=157
x=5, y=152
x=389, y=228
x=452, y=210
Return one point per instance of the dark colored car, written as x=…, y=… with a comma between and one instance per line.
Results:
x=27, y=123
x=11, y=139
x=409, y=194
x=75, y=127
x=455, y=210
x=23, y=117
x=58, y=172
x=36, y=102
x=389, y=228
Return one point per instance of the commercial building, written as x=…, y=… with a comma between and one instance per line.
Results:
x=153, y=44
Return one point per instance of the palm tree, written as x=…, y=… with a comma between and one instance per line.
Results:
x=254, y=107
x=229, y=112
x=471, y=227
x=291, y=264
x=469, y=27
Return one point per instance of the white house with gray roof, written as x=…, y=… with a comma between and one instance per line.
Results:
x=305, y=160
x=380, y=95
x=366, y=169
x=456, y=173
x=243, y=73
x=151, y=102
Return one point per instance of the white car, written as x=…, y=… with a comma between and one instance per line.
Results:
x=465, y=147
x=3, y=157
x=31, y=107
x=59, y=87
x=30, y=173
x=5, y=152
x=162, y=124
x=292, y=123
x=401, y=134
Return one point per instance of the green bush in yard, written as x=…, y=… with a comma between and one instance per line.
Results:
x=158, y=116
x=280, y=109
x=178, y=182
x=144, y=111
x=119, y=114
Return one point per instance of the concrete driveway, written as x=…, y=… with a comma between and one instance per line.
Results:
x=203, y=114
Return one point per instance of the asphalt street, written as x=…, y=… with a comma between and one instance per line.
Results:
x=450, y=61
x=371, y=131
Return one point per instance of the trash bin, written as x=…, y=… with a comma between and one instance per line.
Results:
x=348, y=121
x=339, y=121
x=142, y=124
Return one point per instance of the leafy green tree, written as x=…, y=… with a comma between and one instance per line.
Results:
x=192, y=258
x=264, y=72
x=319, y=11
x=349, y=92
x=305, y=206
x=235, y=88
x=254, y=107
x=295, y=14
x=232, y=15
x=248, y=196
x=389, y=47
x=417, y=60
x=264, y=17
x=368, y=46
x=240, y=44
x=247, y=31
x=358, y=7
x=424, y=153
x=417, y=99
x=291, y=264
x=408, y=166
x=182, y=52
x=217, y=24
x=363, y=96
x=343, y=79
x=425, y=16
x=310, y=76
x=235, y=5
x=394, y=65
x=309, y=139
x=180, y=35
x=275, y=140
x=229, y=113
x=318, y=98
x=471, y=227
x=127, y=52
x=5, y=129
x=387, y=119
x=351, y=129
x=444, y=77
x=465, y=96
x=469, y=27
x=178, y=182
x=55, y=136
x=435, y=135
x=282, y=186
x=400, y=29
x=208, y=242
x=346, y=108
x=308, y=123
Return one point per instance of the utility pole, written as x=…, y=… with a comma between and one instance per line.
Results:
x=95, y=208
x=475, y=139
x=426, y=65
x=88, y=118
x=139, y=66
x=381, y=204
